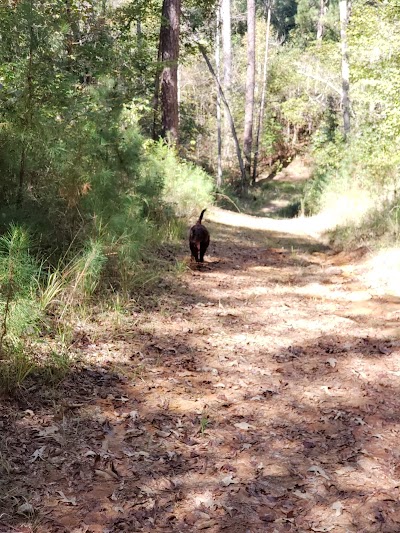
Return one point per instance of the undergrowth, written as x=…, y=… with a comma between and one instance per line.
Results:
x=275, y=199
x=357, y=189
x=126, y=245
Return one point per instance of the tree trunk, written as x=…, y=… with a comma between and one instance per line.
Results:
x=28, y=118
x=226, y=34
x=169, y=51
x=156, y=97
x=263, y=94
x=226, y=43
x=250, y=83
x=231, y=121
x=321, y=19
x=217, y=65
x=344, y=17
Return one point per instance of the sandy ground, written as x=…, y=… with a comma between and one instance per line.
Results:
x=259, y=392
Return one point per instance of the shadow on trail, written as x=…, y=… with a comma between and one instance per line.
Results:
x=127, y=458
x=176, y=422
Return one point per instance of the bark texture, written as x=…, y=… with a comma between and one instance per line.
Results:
x=250, y=84
x=344, y=17
x=169, y=54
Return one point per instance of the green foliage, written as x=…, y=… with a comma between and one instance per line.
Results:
x=187, y=188
x=307, y=16
x=359, y=180
x=26, y=293
x=283, y=17
x=19, y=310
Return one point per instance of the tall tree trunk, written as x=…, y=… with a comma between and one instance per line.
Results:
x=231, y=121
x=217, y=67
x=321, y=19
x=28, y=117
x=169, y=50
x=226, y=34
x=344, y=18
x=156, y=96
x=263, y=94
x=250, y=84
x=226, y=43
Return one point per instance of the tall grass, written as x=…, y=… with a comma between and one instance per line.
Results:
x=19, y=309
x=28, y=291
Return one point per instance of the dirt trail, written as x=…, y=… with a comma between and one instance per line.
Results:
x=260, y=394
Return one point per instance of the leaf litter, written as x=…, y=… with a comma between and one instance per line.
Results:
x=295, y=393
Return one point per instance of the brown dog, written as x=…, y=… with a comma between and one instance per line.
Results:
x=199, y=239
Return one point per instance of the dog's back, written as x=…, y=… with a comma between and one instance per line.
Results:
x=199, y=239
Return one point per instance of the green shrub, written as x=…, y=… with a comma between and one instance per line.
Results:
x=19, y=309
x=187, y=189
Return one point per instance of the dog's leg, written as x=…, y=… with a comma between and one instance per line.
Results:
x=195, y=252
x=203, y=249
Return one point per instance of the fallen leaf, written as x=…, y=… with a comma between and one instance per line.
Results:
x=202, y=516
x=323, y=529
x=37, y=454
x=206, y=524
x=228, y=480
x=134, y=432
x=332, y=362
x=26, y=508
x=206, y=500
x=106, y=475
x=48, y=431
x=64, y=499
x=90, y=453
x=122, y=399
x=337, y=507
x=147, y=490
x=244, y=425
x=318, y=470
x=163, y=433
x=384, y=350
x=302, y=495
x=325, y=388
x=142, y=453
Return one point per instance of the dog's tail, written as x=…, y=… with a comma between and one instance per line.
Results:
x=201, y=216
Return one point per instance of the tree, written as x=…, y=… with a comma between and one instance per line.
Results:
x=217, y=66
x=226, y=34
x=250, y=85
x=321, y=19
x=344, y=15
x=263, y=92
x=169, y=55
x=228, y=110
x=226, y=43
